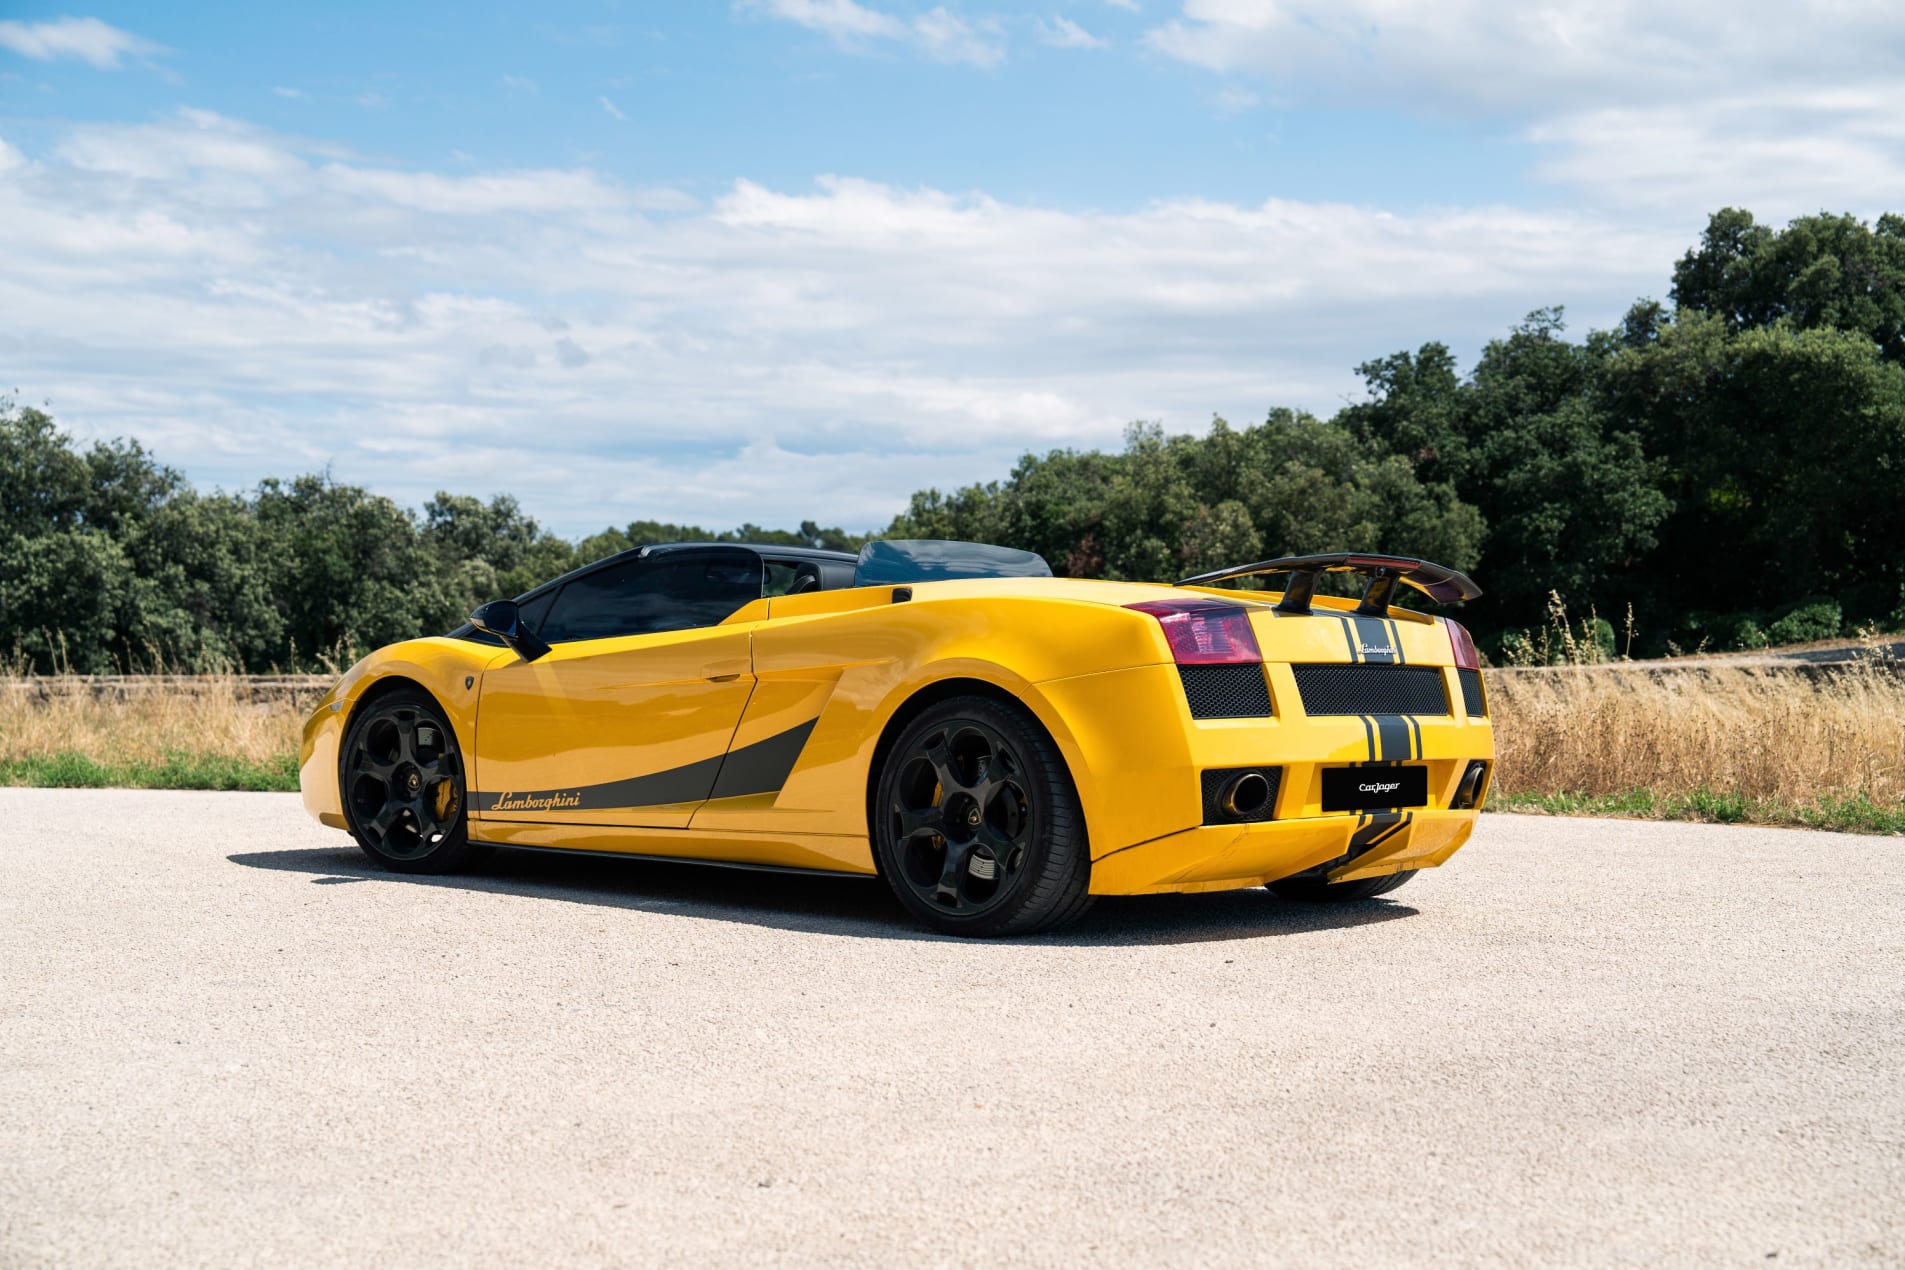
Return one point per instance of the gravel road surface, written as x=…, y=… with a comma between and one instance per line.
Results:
x=225, y=1040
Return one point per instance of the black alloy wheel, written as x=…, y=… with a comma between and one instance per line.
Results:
x=402, y=780
x=977, y=828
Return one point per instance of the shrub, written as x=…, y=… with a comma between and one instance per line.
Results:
x=1814, y=619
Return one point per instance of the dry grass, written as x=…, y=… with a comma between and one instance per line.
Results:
x=217, y=731
x=1753, y=739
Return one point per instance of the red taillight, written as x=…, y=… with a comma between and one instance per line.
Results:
x=1204, y=632
x=1465, y=655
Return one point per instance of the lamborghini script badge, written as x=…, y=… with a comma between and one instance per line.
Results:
x=537, y=802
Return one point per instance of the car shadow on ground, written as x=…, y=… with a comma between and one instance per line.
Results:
x=842, y=906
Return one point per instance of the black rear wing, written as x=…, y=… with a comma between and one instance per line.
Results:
x=1439, y=582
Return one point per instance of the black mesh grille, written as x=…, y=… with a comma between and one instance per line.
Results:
x=1371, y=689
x=1218, y=779
x=1226, y=692
x=1472, y=699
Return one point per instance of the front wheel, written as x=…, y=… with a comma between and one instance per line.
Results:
x=976, y=825
x=402, y=778
x=1317, y=891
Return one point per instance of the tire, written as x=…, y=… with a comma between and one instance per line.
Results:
x=402, y=784
x=1316, y=891
x=976, y=826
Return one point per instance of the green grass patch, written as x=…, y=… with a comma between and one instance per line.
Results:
x=1847, y=813
x=68, y=770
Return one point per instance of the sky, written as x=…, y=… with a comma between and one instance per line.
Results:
x=786, y=259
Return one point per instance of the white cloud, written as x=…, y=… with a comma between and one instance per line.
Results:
x=1129, y=6
x=290, y=94
x=1780, y=154
x=842, y=19
x=1672, y=103
x=252, y=305
x=88, y=39
x=613, y=111
x=939, y=33
x=947, y=37
x=1232, y=100
x=1062, y=32
x=519, y=84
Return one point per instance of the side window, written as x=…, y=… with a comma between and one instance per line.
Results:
x=640, y=597
x=531, y=612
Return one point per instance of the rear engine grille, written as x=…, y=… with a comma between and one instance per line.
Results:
x=1218, y=779
x=1227, y=692
x=1472, y=699
x=1371, y=689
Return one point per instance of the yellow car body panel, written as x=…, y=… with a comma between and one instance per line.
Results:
x=755, y=741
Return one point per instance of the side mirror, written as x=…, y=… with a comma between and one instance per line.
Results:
x=502, y=619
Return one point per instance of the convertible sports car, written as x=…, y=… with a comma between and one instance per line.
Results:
x=1000, y=745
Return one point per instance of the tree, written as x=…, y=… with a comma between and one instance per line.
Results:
x=1820, y=272
x=1782, y=450
x=1570, y=496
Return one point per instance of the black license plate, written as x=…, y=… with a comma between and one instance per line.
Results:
x=1364, y=788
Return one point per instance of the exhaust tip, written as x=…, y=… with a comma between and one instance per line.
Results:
x=1246, y=795
x=1469, y=792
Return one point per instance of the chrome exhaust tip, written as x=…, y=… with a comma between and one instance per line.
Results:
x=1245, y=796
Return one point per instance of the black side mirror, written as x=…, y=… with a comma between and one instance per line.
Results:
x=502, y=619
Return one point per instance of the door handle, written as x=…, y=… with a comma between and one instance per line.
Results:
x=726, y=670
x=722, y=679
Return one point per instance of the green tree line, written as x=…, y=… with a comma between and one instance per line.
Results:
x=1726, y=463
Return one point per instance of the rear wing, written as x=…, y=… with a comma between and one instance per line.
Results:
x=1439, y=582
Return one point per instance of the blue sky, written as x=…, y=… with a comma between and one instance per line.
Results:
x=790, y=258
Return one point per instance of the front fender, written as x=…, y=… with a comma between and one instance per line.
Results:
x=450, y=670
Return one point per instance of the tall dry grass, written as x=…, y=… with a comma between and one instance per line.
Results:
x=148, y=719
x=1755, y=732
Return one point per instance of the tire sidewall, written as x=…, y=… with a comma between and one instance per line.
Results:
x=1049, y=784
x=454, y=848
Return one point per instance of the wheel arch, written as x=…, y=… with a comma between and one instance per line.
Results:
x=384, y=686
x=930, y=695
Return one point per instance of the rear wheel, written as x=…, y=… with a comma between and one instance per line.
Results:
x=1317, y=891
x=402, y=780
x=976, y=825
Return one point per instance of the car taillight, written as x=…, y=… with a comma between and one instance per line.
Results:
x=1204, y=632
x=1465, y=655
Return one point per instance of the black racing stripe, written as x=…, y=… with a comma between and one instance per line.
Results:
x=1374, y=641
x=1369, y=733
x=1415, y=727
x=1367, y=835
x=763, y=767
x=1392, y=731
x=1395, y=642
x=1349, y=637
x=690, y=783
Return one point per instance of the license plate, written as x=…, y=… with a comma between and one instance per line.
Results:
x=1367, y=788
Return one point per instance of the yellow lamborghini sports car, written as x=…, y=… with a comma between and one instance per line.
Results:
x=999, y=744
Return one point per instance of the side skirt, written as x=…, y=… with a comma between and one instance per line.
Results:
x=674, y=859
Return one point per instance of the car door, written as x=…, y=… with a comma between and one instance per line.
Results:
x=627, y=718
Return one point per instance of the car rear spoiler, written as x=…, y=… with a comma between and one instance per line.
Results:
x=1439, y=582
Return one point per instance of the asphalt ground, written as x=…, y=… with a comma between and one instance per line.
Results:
x=225, y=1040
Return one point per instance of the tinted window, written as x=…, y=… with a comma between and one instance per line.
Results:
x=638, y=597
x=531, y=612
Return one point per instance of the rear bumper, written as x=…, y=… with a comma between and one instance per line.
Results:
x=1138, y=756
x=1223, y=857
